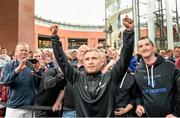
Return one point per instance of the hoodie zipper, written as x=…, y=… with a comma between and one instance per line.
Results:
x=92, y=83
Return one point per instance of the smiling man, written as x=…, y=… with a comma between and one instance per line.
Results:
x=156, y=79
x=95, y=91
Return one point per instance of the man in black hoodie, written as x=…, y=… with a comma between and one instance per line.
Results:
x=95, y=91
x=156, y=79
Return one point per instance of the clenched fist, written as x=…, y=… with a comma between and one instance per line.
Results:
x=54, y=29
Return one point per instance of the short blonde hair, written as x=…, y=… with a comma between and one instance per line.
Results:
x=22, y=44
x=93, y=50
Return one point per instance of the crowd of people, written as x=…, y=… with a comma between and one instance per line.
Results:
x=91, y=82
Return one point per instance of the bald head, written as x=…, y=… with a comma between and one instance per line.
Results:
x=21, y=50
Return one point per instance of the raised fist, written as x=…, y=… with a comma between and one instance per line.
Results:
x=128, y=23
x=54, y=29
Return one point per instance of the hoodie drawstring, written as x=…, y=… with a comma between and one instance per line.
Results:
x=152, y=76
x=148, y=74
x=123, y=80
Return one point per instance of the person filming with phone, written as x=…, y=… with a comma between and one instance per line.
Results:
x=22, y=82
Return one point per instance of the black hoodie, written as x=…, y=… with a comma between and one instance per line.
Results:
x=157, y=85
x=95, y=93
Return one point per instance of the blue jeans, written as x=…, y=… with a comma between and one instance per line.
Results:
x=69, y=114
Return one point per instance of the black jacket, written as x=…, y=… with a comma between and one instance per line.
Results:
x=95, y=93
x=126, y=93
x=50, y=87
x=158, y=95
x=68, y=103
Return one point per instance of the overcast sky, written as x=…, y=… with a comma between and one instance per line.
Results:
x=72, y=11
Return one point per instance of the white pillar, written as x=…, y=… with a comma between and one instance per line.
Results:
x=169, y=25
x=135, y=17
x=151, y=15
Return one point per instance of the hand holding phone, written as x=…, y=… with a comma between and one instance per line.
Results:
x=21, y=66
x=33, y=61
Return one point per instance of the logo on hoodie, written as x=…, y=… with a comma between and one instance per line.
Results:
x=155, y=91
x=154, y=83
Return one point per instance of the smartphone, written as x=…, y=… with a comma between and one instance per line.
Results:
x=30, y=65
x=33, y=61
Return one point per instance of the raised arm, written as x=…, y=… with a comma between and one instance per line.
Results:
x=121, y=65
x=68, y=70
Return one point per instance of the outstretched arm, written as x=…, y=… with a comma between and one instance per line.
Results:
x=69, y=72
x=122, y=64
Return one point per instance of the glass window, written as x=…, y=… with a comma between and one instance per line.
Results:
x=44, y=42
x=74, y=43
x=101, y=40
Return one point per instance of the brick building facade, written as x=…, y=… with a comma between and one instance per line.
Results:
x=71, y=37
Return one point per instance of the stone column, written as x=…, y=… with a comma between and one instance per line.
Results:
x=16, y=23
